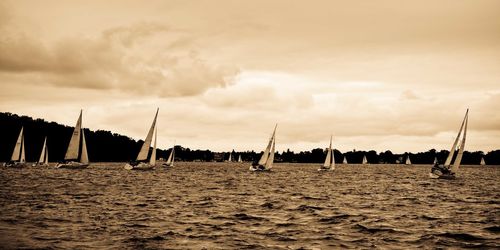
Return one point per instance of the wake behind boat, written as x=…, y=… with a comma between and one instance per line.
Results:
x=76, y=155
x=329, y=160
x=448, y=171
x=266, y=160
x=141, y=162
x=18, y=159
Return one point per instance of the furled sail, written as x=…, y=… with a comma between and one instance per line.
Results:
x=143, y=154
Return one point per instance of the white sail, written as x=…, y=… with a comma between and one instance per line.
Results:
x=270, y=159
x=435, y=160
x=16, y=154
x=170, y=160
x=328, y=159
x=482, y=161
x=454, y=147
x=230, y=157
x=265, y=155
x=408, y=161
x=46, y=155
x=152, y=160
x=239, y=159
x=84, y=158
x=74, y=143
x=143, y=154
x=365, y=161
x=345, y=160
x=458, y=160
x=44, y=151
x=23, y=158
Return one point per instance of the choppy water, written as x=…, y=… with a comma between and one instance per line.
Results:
x=207, y=205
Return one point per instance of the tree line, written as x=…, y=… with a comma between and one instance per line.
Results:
x=105, y=146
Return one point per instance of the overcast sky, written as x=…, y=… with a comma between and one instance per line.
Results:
x=379, y=75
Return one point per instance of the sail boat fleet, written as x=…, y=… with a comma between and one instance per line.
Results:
x=76, y=156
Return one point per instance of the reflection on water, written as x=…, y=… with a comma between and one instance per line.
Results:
x=222, y=205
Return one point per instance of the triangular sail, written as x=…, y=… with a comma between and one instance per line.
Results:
x=16, y=154
x=345, y=160
x=364, y=159
x=143, y=154
x=265, y=155
x=482, y=161
x=458, y=160
x=270, y=159
x=84, y=157
x=170, y=159
x=152, y=160
x=23, y=158
x=74, y=143
x=46, y=155
x=435, y=160
x=239, y=159
x=454, y=147
x=44, y=151
x=230, y=157
x=408, y=161
x=328, y=159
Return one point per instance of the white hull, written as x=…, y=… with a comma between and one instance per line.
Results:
x=258, y=168
x=16, y=165
x=72, y=165
x=140, y=166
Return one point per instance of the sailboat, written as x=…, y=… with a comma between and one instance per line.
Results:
x=365, y=161
x=266, y=160
x=18, y=159
x=76, y=155
x=44, y=155
x=329, y=160
x=141, y=162
x=448, y=171
x=239, y=159
x=344, y=161
x=230, y=157
x=408, y=161
x=435, y=160
x=171, y=158
x=482, y=162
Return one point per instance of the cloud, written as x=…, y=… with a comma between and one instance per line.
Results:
x=117, y=59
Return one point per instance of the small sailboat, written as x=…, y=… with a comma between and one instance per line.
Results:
x=408, y=161
x=239, y=159
x=76, y=155
x=141, y=162
x=171, y=158
x=435, y=160
x=44, y=155
x=230, y=157
x=482, y=163
x=344, y=161
x=329, y=160
x=266, y=160
x=448, y=171
x=18, y=159
x=365, y=161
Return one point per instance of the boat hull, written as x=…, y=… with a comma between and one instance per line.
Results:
x=323, y=168
x=72, y=165
x=40, y=165
x=140, y=166
x=259, y=168
x=16, y=165
x=439, y=175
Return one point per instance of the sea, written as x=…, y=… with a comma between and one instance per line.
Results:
x=225, y=206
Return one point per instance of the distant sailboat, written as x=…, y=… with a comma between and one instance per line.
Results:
x=44, y=155
x=365, y=161
x=448, y=171
x=76, y=155
x=230, y=157
x=345, y=160
x=482, y=162
x=239, y=159
x=171, y=158
x=18, y=159
x=408, y=161
x=435, y=160
x=142, y=162
x=329, y=160
x=266, y=160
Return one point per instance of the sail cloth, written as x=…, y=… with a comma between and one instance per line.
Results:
x=265, y=155
x=345, y=160
x=84, y=158
x=170, y=160
x=152, y=160
x=364, y=159
x=454, y=147
x=482, y=161
x=74, y=143
x=329, y=160
x=143, y=154
x=458, y=160
x=408, y=161
x=44, y=155
x=270, y=159
x=18, y=153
